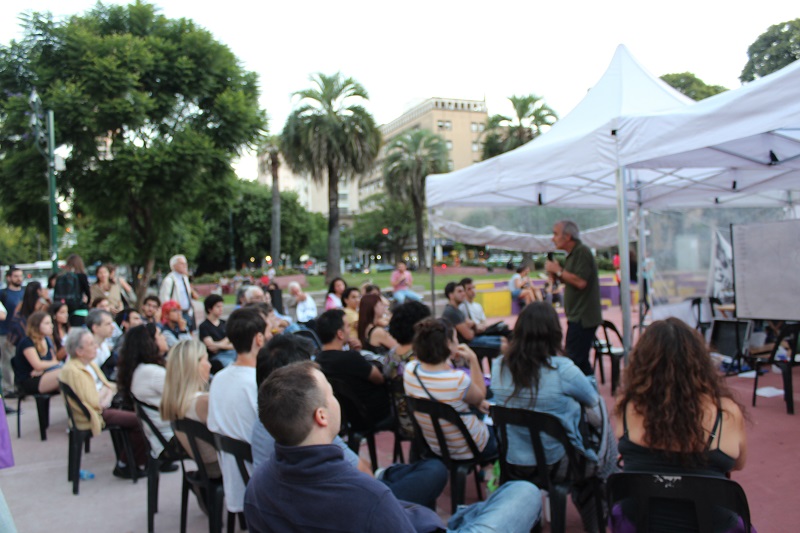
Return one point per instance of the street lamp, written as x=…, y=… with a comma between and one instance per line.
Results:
x=45, y=142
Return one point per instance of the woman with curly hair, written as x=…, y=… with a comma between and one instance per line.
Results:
x=371, y=332
x=676, y=415
x=141, y=375
x=186, y=395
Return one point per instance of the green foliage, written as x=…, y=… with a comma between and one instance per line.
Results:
x=391, y=213
x=18, y=245
x=168, y=104
x=410, y=158
x=504, y=134
x=318, y=240
x=773, y=50
x=692, y=86
x=252, y=216
x=331, y=135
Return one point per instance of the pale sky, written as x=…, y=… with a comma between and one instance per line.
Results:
x=405, y=52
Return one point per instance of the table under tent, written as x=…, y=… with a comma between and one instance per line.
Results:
x=635, y=144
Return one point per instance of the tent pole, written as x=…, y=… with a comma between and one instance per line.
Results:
x=431, y=263
x=625, y=260
x=641, y=254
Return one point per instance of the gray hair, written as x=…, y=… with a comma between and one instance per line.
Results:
x=250, y=291
x=569, y=227
x=174, y=259
x=293, y=284
x=94, y=318
x=74, y=340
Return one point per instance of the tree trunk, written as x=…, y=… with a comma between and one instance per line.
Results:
x=334, y=251
x=144, y=283
x=275, y=245
x=420, y=226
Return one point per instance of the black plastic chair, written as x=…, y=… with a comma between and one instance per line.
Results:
x=791, y=334
x=459, y=468
x=79, y=439
x=703, y=493
x=243, y=454
x=355, y=420
x=605, y=346
x=543, y=475
x=398, y=404
x=154, y=464
x=210, y=488
x=312, y=337
x=42, y=409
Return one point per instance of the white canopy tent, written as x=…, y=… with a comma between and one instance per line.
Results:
x=637, y=143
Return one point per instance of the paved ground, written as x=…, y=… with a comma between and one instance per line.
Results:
x=41, y=500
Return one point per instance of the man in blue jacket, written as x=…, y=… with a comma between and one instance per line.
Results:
x=308, y=486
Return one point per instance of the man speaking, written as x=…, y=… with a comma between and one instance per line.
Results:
x=581, y=293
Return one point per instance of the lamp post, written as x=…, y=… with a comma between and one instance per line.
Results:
x=45, y=139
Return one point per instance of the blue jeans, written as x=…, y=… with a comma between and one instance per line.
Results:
x=406, y=294
x=225, y=357
x=486, y=341
x=421, y=482
x=513, y=508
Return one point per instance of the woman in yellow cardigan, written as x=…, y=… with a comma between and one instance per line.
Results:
x=90, y=385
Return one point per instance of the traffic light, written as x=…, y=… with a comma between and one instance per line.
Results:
x=385, y=231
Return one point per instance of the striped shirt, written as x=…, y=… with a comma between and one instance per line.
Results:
x=450, y=387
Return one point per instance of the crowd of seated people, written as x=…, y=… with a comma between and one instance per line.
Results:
x=264, y=390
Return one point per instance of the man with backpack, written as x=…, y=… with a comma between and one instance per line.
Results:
x=72, y=288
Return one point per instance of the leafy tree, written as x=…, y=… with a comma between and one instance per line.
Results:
x=504, y=134
x=692, y=86
x=393, y=214
x=18, y=245
x=331, y=135
x=773, y=50
x=271, y=150
x=410, y=158
x=154, y=109
x=318, y=242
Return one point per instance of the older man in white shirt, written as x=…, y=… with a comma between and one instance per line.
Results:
x=176, y=287
x=306, y=306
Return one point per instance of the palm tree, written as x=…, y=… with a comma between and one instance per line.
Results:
x=410, y=158
x=331, y=135
x=505, y=133
x=271, y=150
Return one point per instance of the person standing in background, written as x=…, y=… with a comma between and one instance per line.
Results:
x=10, y=297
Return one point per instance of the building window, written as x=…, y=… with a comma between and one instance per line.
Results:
x=449, y=145
x=476, y=147
x=450, y=165
x=440, y=124
x=474, y=126
x=481, y=126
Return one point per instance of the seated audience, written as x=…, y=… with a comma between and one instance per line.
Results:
x=535, y=375
x=103, y=304
x=401, y=282
x=25, y=308
x=401, y=327
x=298, y=408
x=141, y=375
x=521, y=286
x=420, y=482
x=213, y=334
x=101, y=324
x=105, y=287
x=304, y=304
x=472, y=310
x=333, y=300
x=676, y=415
x=186, y=396
x=433, y=377
x=86, y=379
x=59, y=313
x=351, y=298
x=371, y=330
x=151, y=309
x=36, y=367
x=126, y=319
x=173, y=324
x=232, y=401
x=468, y=330
x=362, y=377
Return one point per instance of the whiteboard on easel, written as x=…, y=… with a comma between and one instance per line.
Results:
x=766, y=270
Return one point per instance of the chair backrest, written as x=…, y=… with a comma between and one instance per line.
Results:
x=141, y=412
x=536, y=424
x=71, y=400
x=195, y=431
x=354, y=412
x=705, y=493
x=239, y=449
x=312, y=337
x=609, y=331
x=439, y=411
x=701, y=304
